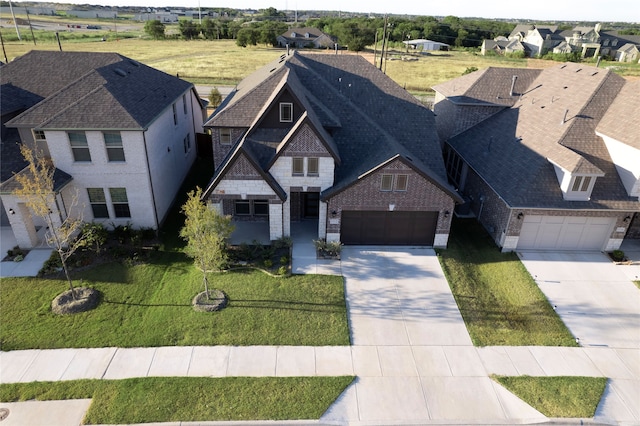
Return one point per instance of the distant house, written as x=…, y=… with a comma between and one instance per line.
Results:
x=306, y=37
x=502, y=45
x=539, y=40
x=330, y=140
x=120, y=134
x=546, y=159
x=426, y=45
x=628, y=53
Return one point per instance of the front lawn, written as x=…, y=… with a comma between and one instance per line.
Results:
x=178, y=399
x=558, y=396
x=149, y=304
x=499, y=301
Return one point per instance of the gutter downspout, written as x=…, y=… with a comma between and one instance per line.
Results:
x=153, y=195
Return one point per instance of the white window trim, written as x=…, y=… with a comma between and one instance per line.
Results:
x=222, y=142
x=282, y=106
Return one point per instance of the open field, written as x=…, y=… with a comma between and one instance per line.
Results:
x=223, y=62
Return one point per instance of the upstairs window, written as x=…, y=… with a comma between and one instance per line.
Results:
x=401, y=182
x=113, y=143
x=79, y=146
x=98, y=203
x=312, y=166
x=186, y=142
x=286, y=112
x=394, y=183
x=298, y=166
x=184, y=104
x=581, y=183
x=38, y=135
x=387, y=183
x=120, y=202
x=455, y=167
x=175, y=114
x=225, y=136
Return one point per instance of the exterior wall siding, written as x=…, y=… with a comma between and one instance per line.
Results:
x=421, y=195
x=221, y=151
x=504, y=226
x=452, y=119
x=131, y=174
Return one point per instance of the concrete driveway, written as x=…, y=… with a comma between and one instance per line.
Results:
x=414, y=360
x=594, y=297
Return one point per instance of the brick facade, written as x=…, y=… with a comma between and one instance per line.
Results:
x=504, y=225
x=421, y=195
x=221, y=151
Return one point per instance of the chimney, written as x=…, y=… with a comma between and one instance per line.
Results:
x=513, y=84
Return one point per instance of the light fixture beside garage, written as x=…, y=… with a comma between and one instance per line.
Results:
x=446, y=214
x=627, y=219
x=12, y=211
x=520, y=215
x=392, y=207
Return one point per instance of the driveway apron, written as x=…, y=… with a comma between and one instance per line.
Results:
x=414, y=360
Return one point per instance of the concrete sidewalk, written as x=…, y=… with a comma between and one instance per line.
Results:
x=411, y=353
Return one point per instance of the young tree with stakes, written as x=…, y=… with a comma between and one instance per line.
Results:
x=37, y=191
x=206, y=233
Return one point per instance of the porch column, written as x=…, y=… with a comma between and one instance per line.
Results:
x=275, y=221
x=286, y=218
x=322, y=220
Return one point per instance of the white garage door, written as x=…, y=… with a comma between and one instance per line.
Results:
x=565, y=232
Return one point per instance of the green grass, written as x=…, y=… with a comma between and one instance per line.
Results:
x=558, y=396
x=149, y=305
x=637, y=283
x=499, y=301
x=174, y=399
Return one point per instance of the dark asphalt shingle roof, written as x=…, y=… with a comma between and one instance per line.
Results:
x=514, y=150
x=489, y=86
x=114, y=92
x=618, y=123
x=371, y=118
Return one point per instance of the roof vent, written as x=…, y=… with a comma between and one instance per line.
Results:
x=120, y=72
x=513, y=84
x=134, y=63
x=272, y=70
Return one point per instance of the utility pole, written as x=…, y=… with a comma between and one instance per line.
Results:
x=6, y=60
x=30, y=27
x=15, y=23
x=384, y=33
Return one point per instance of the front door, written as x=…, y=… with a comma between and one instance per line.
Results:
x=310, y=204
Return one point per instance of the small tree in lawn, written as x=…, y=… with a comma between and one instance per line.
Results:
x=37, y=191
x=206, y=233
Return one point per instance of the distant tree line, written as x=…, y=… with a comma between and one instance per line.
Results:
x=355, y=33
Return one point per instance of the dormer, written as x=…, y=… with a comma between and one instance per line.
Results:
x=306, y=35
x=293, y=34
x=576, y=185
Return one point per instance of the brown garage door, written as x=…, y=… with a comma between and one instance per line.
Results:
x=388, y=228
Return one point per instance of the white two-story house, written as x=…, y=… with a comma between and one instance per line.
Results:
x=120, y=134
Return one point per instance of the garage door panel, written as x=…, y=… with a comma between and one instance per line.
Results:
x=564, y=232
x=388, y=228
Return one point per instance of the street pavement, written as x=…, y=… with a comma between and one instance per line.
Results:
x=411, y=354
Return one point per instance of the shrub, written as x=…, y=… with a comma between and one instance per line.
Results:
x=284, y=260
x=95, y=235
x=282, y=242
x=282, y=270
x=268, y=263
x=617, y=255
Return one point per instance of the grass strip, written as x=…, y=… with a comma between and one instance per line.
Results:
x=499, y=301
x=172, y=399
x=149, y=305
x=558, y=396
